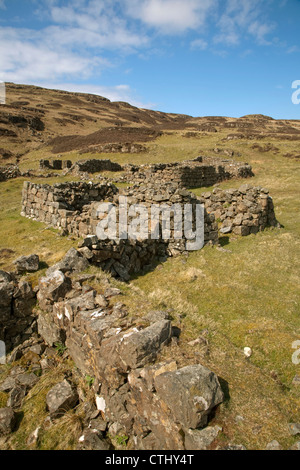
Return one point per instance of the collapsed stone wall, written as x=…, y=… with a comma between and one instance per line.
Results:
x=55, y=164
x=115, y=148
x=17, y=298
x=95, y=166
x=88, y=166
x=203, y=171
x=9, y=171
x=157, y=405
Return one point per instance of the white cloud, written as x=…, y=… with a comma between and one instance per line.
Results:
x=24, y=56
x=199, y=44
x=241, y=17
x=171, y=16
x=2, y=5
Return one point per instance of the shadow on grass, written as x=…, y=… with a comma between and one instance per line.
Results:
x=43, y=265
x=225, y=388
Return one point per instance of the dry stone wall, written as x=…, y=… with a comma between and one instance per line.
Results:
x=157, y=405
x=241, y=211
x=68, y=206
x=203, y=171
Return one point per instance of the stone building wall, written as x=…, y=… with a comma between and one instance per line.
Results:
x=203, y=171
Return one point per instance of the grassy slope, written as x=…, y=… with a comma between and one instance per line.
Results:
x=247, y=296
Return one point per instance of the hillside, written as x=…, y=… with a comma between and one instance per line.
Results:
x=241, y=292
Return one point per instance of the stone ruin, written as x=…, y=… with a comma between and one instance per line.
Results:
x=8, y=172
x=88, y=166
x=155, y=403
x=197, y=173
x=73, y=208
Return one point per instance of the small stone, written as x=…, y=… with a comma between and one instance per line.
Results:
x=225, y=230
x=234, y=447
x=16, y=396
x=111, y=292
x=27, y=380
x=34, y=436
x=273, y=445
x=201, y=440
x=294, y=428
x=248, y=352
x=27, y=264
x=296, y=380
x=90, y=440
x=8, y=384
x=296, y=446
x=8, y=420
x=38, y=349
x=61, y=398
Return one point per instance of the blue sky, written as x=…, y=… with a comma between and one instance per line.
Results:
x=197, y=57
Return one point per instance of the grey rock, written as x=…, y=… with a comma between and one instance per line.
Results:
x=52, y=288
x=273, y=445
x=234, y=447
x=90, y=440
x=16, y=397
x=201, y=440
x=225, y=230
x=61, y=398
x=27, y=264
x=296, y=380
x=143, y=346
x=48, y=330
x=73, y=261
x=111, y=292
x=157, y=315
x=5, y=277
x=8, y=384
x=6, y=295
x=7, y=421
x=294, y=428
x=191, y=393
x=38, y=349
x=27, y=380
